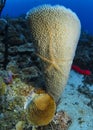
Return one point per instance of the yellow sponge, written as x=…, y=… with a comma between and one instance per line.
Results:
x=55, y=31
x=40, y=108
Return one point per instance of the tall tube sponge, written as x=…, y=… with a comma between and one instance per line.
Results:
x=55, y=31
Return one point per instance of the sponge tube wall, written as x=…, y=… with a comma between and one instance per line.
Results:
x=55, y=31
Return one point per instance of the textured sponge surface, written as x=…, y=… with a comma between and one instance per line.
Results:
x=55, y=31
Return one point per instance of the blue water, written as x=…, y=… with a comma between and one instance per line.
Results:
x=83, y=8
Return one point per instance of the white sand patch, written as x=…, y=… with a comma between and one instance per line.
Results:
x=75, y=104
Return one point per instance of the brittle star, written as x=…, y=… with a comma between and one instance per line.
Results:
x=52, y=61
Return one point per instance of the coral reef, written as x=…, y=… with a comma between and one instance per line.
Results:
x=26, y=71
x=23, y=70
x=55, y=31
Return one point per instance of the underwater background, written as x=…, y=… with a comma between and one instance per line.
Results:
x=21, y=70
x=83, y=8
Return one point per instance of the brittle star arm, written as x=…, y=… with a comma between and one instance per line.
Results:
x=52, y=63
